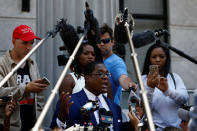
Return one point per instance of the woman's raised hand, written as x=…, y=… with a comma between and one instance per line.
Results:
x=153, y=80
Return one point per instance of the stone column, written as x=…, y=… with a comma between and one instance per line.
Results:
x=183, y=31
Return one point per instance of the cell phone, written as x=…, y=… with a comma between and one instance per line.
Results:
x=45, y=81
x=130, y=108
x=153, y=69
x=6, y=98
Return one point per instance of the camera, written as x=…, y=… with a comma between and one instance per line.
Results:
x=62, y=59
x=6, y=98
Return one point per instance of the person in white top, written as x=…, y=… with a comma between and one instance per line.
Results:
x=74, y=82
x=166, y=91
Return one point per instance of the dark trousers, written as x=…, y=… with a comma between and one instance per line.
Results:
x=27, y=117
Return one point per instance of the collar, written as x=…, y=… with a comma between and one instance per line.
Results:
x=11, y=61
x=91, y=96
x=109, y=57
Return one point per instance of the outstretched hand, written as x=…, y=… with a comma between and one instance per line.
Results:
x=153, y=80
x=133, y=86
x=64, y=106
x=126, y=82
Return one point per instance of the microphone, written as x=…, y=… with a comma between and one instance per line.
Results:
x=90, y=106
x=147, y=37
x=91, y=25
x=132, y=97
x=143, y=38
x=106, y=118
x=69, y=36
x=139, y=39
x=193, y=113
x=120, y=33
x=161, y=32
x=86, y=109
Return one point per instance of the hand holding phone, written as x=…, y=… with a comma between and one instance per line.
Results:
x=44, y=80
x=5, y=99
x=153, y=69
x=133, y=118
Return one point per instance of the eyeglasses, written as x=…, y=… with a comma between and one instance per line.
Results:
x=101, y=74
x=106, y=41
x=85, y=41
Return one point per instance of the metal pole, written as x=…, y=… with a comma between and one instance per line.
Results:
x=139, y=77
x=5, y=79
x=56, y=88
x=50, y=33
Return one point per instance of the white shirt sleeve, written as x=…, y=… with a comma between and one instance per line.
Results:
x=180, y=94
x=149, y=90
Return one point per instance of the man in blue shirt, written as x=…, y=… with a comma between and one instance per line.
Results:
x=115, y=65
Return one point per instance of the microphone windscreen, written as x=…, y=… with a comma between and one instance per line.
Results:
x=192, y=125
x=93, y=34
x=92, y=26
x=183, y=114
x=106, y=117
x=120, y=33
x=195, y=98
x=143, y=38
x=109, y=113
x=193, y=112
x=102, y=111
x=69, y=36
x=90, y=106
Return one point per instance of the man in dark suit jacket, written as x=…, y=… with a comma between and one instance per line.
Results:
x=68, y=108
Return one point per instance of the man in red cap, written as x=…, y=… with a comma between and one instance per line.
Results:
x=25, y=85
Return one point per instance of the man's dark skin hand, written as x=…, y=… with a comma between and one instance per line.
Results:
x=9, y=110
x=64, y=106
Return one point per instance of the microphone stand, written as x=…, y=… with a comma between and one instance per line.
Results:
x=139, y=77
x=179, y=52
x=50, y=33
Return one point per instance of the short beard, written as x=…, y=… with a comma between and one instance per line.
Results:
x=106, y=53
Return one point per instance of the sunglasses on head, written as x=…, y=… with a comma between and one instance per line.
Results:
x=105, y=41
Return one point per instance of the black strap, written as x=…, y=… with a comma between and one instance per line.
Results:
x=183, y=105
x=172, y=76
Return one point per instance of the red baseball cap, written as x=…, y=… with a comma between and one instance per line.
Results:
x=25, y=33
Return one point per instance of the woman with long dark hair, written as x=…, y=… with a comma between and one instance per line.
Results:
x=166, y=91
x=74, y=81
x=87, y=53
